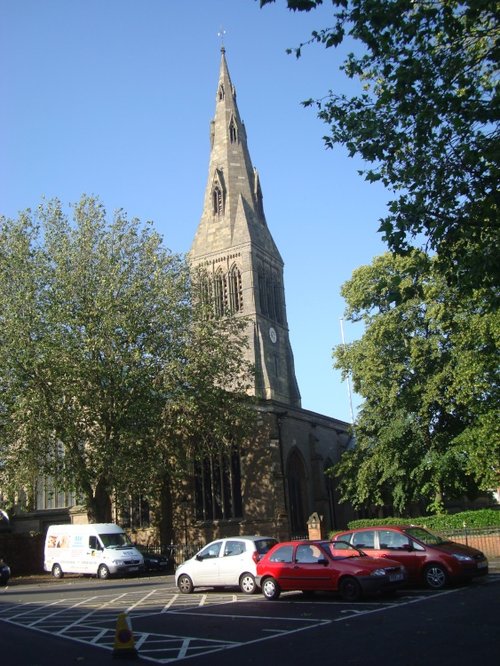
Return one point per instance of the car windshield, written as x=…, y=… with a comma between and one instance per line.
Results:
x=114, y=540
x=424, y=536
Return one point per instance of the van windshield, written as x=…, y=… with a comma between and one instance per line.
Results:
x=114, y=540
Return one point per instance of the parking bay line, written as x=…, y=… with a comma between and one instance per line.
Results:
x=413, y=600
x=181, y=646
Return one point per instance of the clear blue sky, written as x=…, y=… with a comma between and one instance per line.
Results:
x=114, y=98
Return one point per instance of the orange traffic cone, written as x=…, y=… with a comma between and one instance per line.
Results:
x=124, y=638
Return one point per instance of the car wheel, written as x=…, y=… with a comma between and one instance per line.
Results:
x=103, y=572
x=57, y=572
x=270, y=589
x=185, y=584
x=350, y=589
x=247, y=583
x=435, y=576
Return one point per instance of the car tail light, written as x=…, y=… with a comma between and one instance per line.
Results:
x=255, y=556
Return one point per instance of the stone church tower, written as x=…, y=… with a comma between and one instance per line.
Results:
x=282, y=475
x=276, y=481
x=234, y=246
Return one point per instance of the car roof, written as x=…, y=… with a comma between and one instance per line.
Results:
x=299, y=542
x=394, y=526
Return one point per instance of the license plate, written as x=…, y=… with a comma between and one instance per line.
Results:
x=482, y=565
x=133, y=569
x=395, y=577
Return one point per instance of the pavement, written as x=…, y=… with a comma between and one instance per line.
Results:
x=41, y=578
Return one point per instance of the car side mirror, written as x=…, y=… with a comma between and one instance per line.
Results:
x=408, y=547
x=199, y=558
x=323, y=561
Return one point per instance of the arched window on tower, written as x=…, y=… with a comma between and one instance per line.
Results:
x=235, y=290
x=205, y=292
x=262, y=291
x=222, y=93
x=233, y=131
x=220, y=297
x=278, y=301
x=217, y=200
x=270, y=297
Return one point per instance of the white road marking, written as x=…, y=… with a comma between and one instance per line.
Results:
x=172, y=601
x=165, y=648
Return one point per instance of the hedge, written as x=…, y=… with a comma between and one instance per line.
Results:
x=481, y=518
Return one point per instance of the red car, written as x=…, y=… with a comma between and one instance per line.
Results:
x=322, y=565
x=427, y=558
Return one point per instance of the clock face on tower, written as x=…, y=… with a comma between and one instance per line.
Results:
x=272, y=335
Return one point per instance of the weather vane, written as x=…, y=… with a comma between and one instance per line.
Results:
x=221, y=34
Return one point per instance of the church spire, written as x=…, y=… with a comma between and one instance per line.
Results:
x=235, y=245
x=231, y=174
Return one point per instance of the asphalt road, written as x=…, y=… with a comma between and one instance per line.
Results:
x=74, y=621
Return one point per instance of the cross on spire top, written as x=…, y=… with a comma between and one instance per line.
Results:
x=221, y=34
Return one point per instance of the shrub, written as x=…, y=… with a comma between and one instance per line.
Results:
x=482, y=518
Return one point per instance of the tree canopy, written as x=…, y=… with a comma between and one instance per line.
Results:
x=425, y=121
x=108, y=368
x=427, y=369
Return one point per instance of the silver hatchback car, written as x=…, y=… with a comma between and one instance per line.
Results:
x=230, y=562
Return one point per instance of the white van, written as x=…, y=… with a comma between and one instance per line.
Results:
x=101, y=549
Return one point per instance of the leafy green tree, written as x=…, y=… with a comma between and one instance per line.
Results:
x=426, y=121
x=426, y=369
x=209, y=408
x=100, y=340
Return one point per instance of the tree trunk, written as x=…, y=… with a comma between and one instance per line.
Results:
x=165, y=523
x=99, y=506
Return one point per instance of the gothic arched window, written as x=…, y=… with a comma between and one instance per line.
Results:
x=222, y=93
x=217, y=201
x=218, y=487
x=278, y=301
x=233, y=131
x=205, y=291
x=235, y=290
x=220, y=293
x=296, y=477
x=262, y=291
x=270, y=297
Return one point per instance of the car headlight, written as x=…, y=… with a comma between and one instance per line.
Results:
x=379, y=572
x=462, y=558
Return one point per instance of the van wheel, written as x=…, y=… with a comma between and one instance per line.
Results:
x=57, y=572
x=103, y=572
